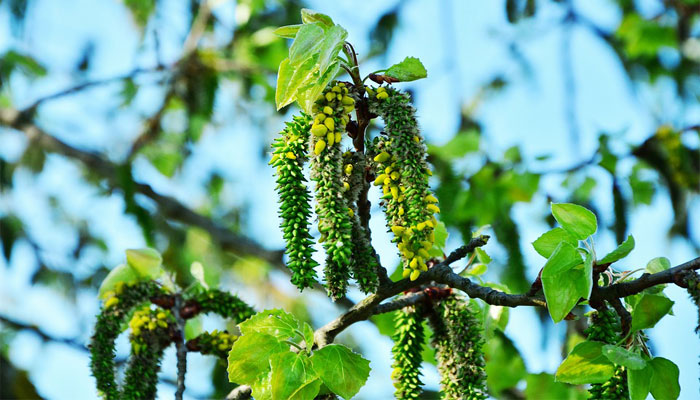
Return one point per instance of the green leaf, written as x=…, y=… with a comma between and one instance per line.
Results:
x=307, y=43
x=542, y=386
x=410, y=69
x=145, y=262
x=307, y=96
x=624, y=357
x=249, y=358
x=308, y=332
x=664, y=381
x=121, y=273
x=585, y=364
x=141, y=9
x=261, y=387
x=460, y=145
x=275, y=323
x=197, y=271
x=545, y=244
x=293, y=377
x=440, y=235
x=333, y=40
x=309, y=16
x=504, y=365
x=193, y=327
x=649, y=310
x=579, y=221
x=290, y=78
x=562, y=284
x=477, y=269
x=620, y=252
x=639, y=382
x=657, y=264
x=342, y=370
x=288, y=31
x=482, y=256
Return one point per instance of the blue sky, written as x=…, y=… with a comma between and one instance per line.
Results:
x=462, y=44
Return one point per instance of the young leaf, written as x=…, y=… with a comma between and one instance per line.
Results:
x=249, y=358
x=310, y=16
x=545, y=244
x=342, y=370
x=307, y=95
x=649, y=310
x=260, y=387
x=146, y=262
x=620, y=252
x=482, y=256
x=307, y=42
x=624, y=357
x=329, y=48
x=664, y=381
x=560, y=281
x=120, y=273
x=293, y=377
x=290, y=78
x=275, y=323
x=288, y=31
x=308, y=332
x=639, y=382
x=410, y=69
x=585, y=364
x=579, y=221
x=197, y=271
x=657, y=264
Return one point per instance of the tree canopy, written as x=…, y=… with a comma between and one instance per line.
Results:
x=502, y=198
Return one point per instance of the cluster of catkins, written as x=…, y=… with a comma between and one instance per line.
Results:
x=338, y=177
x=216, y=343
x=457, y=339
x=605, y=327
x=399, y=162
x=152, y=331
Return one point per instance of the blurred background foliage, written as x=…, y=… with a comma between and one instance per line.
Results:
x=160, y=138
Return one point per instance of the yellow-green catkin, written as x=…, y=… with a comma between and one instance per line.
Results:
x=288, y=158
x=150, y=335
x=363, y=266
x=605, y=327
x=407, y=352
x=458, y=341
x=399, y=162
x=330, y=115
x=217, y=343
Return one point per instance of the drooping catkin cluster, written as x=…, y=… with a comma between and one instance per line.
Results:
x=402, y=172
x=216, y=343
x=151, y=332
x=334, y=215
x=108, y=327
x=288, y=157
x=605, y=327
x=458, y=342
x=223, y=304
x=407, y=352
x=363, y=265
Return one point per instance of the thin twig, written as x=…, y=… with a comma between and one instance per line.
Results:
x=181, y=349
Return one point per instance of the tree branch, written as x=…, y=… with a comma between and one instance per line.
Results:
x=442, y=274
x=240, y=393
x=181, y=350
